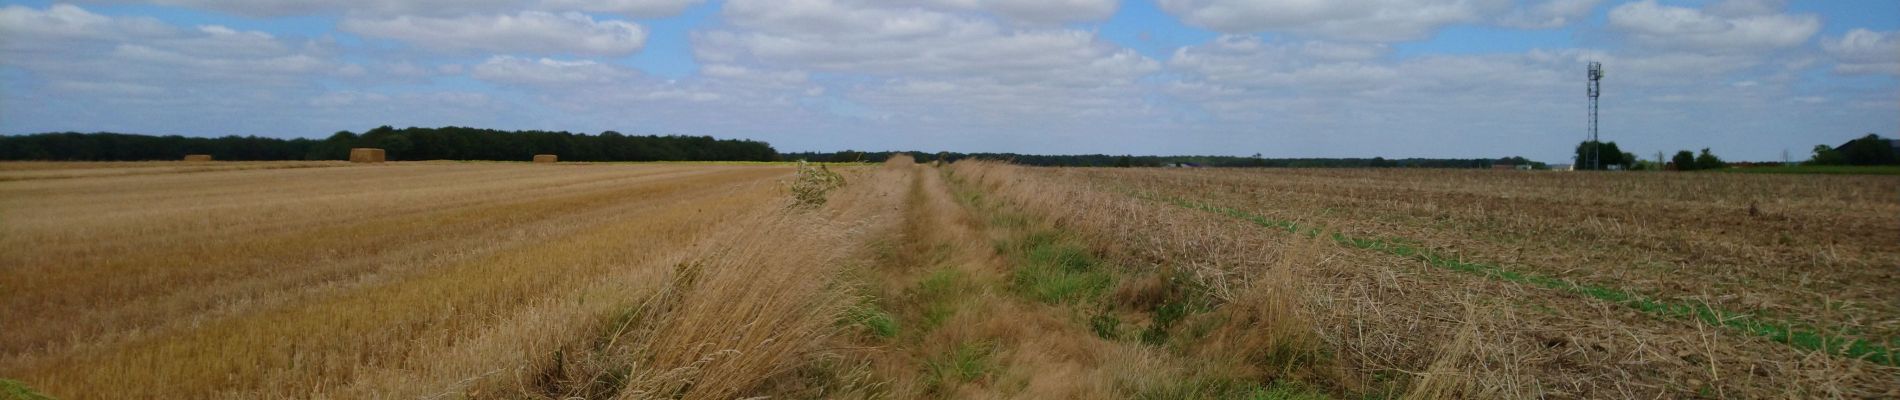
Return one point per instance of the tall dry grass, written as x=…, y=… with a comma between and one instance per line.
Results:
x=753, y=313
x=1401, y=327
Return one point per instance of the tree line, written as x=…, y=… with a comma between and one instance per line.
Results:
x=1607, y=156
x=1867, y=150
x=447, y=143
x=1109, y=160
x=1864, y=151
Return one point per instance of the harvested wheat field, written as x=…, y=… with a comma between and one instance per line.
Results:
x=968, y=280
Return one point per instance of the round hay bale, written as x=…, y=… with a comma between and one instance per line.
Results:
x=545, y=158
x=197, y=157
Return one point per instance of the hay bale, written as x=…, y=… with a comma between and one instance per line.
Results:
x=366, y=155
x=545, y=158
x=197, y=157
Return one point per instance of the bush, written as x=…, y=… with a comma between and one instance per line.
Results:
x=1709, y=161
x=1683, y=161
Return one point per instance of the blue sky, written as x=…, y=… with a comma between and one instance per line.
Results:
x=1751, y=79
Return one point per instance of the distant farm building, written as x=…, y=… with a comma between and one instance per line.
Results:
x=1181, y=165
x=1562, y=167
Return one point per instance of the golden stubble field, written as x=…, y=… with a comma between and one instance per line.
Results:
x=972, y=280
x=408, y=279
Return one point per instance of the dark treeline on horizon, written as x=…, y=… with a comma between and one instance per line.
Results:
x=448, y=143
x=1105, y=160
x=460, y=143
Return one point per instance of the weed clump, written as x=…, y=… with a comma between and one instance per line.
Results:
x=812, y=183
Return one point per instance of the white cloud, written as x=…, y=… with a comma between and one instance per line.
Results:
x=435, y=8
x=549, y=72
x=1746, y=8
x=530, y=32
x=631, y=8
x=1247, y=62
x=1361, y=20
x=1862, y=51
x=69, y=22
x=1034, y=11
x=739, y=73
x=65, y=43
x=1691, y=29
x=1548, y=13
x=833, y=36
x=925, y=62
x=279, y=8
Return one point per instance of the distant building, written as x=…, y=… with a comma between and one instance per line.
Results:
x=1181, y=165
x=1562, y=167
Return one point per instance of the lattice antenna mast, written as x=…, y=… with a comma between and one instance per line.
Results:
x=1596, y=76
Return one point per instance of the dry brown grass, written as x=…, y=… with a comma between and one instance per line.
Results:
x=1404, y=328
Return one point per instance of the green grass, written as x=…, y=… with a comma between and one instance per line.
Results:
x=1106, y=325
x=1230, y=388
x=1798, y=335
x=873, y=319
x=1054, y=271
x=1819, y=169
x=967, y=363
x=14, y=390
x=937, y=295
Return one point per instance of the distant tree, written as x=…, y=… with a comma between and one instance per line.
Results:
x=847, y=156
x=1825, y=155
x=1608, y=156
x=1708, y=160
x=1683, y=161
x=1868, y=150
x=1125, y=161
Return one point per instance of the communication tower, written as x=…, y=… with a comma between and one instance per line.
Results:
x=1596, y=76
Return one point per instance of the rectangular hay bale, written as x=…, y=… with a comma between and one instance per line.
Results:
x=545, y=158
x=197, y=157
x=366, y=155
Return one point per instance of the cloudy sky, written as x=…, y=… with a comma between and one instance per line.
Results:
x=1286, y=78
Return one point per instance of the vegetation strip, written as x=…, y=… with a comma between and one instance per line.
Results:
x=1799, y=336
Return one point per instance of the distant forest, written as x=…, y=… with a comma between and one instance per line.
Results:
x=459, y=143
x=1105, y=160
x=449, y=143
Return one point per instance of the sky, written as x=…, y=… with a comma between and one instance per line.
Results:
x=1751, y=79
